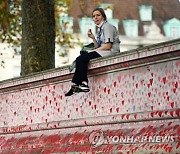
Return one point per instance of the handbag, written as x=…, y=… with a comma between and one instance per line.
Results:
x=82, y=51
x=87, y=47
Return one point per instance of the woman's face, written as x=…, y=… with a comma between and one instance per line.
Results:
x=97, y=17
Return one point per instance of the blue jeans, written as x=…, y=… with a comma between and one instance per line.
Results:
x=82, y=61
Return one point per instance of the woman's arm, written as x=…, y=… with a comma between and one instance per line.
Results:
x=106, y=46
x=91, y=35
x=95, y=42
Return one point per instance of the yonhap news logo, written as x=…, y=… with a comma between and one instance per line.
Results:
x=98, y=138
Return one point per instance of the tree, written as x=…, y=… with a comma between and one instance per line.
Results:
x=34, y=25
x=38, y=36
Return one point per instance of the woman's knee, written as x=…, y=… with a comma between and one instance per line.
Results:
x=78, y=59
x=82, y=58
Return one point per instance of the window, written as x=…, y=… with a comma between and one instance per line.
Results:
x=145, y=13
x=172, y=28
x=174, y=31
x=131, y=27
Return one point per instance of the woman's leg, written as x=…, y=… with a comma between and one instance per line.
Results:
x=80, y=74
x=82, y=61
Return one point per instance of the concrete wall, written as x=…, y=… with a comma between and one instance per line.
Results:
x=133, y=106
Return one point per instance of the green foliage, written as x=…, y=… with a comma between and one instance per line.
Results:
x=63, y=38
x=11, y=23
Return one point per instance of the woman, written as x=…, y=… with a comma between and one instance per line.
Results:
x=107, y=42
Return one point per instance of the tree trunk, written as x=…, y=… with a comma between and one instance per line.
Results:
x=38, y=36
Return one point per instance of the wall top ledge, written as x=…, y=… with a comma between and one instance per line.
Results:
x=139, y=53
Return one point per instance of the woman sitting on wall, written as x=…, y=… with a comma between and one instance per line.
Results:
x=106, y=43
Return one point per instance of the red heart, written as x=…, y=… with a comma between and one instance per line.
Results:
x=172, y=104
x=164, y=80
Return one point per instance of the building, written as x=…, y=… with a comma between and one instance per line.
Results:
x=140, y=23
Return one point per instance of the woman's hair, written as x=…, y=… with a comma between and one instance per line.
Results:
x=101, y=11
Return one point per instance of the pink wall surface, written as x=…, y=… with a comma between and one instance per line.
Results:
x=133, y=94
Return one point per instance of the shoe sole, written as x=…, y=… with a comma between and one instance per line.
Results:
x=84, y=90
x=77, y=89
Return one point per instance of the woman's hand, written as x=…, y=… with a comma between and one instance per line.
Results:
x=90, y=34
